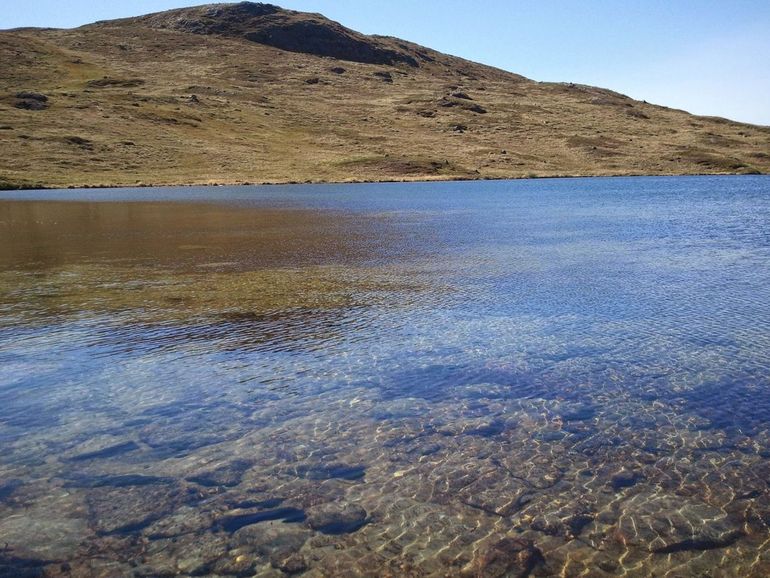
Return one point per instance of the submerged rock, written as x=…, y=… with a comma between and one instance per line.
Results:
x=185, y=520
x=120, y=481
x=228, y=475
x=194, y=554
x=547, y=526
x=293, y=564
x=579, y=413
x=105, y=452
x=624, y=479
x=47, y=532
x=330, y=471
x=277, y=541
x=236, y=564
x=337, y=519
x=488, y=428
x=234, y=522
x=708, y=541
x=578, y=522
x=182, y=433
x=7, y=488
x=668, y=524
x=117, y=510
x=13, y=567
x=510, y=557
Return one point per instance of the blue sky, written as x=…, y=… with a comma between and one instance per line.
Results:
x=705, y=56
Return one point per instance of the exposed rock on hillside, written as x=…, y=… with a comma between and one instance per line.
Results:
x=285, y=29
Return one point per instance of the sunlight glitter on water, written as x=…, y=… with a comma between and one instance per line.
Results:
x=547, y=377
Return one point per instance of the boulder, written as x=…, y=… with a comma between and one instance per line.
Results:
x=337, y=519
x=31, y=104
x=666, y=524
x=26, y=95
x=273, y=540
x=227, y=475
x=510, y=557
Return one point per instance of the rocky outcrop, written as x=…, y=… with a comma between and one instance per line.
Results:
x=31, y=101
x=274, y=26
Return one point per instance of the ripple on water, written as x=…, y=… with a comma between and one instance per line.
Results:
x=481, y=379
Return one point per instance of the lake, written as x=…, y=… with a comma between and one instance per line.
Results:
x=545, y=377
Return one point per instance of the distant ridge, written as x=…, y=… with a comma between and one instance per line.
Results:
x=250, y=92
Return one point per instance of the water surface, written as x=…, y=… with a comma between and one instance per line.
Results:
x=551, y=377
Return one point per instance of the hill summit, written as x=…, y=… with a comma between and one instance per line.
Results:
x=250, y=92
x=273, y=26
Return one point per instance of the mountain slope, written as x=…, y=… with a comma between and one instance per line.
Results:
x=253, y=93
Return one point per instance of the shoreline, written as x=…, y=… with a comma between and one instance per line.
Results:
x=4, y=186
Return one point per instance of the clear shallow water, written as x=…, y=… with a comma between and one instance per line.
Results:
x=552, y=377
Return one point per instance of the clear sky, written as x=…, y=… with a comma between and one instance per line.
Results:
x=705, y=56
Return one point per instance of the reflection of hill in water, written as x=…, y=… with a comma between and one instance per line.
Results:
x=222, y=277
x=276, y=331
x=46, y=234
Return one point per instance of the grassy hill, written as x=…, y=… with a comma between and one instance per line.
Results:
x=233, y=93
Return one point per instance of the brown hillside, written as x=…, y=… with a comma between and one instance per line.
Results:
x=253, y=93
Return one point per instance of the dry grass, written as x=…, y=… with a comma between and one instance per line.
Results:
x=130, y=105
